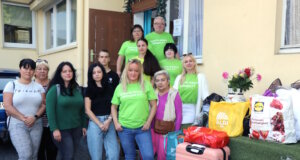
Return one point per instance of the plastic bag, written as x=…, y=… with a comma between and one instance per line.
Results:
x=206, y=136
x=228, y=117
x=272, y=119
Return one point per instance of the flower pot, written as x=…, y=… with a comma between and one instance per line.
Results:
x=237, y=96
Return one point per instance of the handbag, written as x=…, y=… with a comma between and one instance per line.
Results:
x=296, y=84
x=228, y=117
x=4, y=133
x=164, y=127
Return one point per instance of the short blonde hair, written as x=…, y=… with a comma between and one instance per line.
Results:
x=124, y=78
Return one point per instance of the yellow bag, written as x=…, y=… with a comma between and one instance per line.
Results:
x=228, y=117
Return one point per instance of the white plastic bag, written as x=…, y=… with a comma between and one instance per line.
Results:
x=295, y=96
x=272, y=119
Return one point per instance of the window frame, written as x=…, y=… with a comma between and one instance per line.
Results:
x=20, y=45
x=286, y=48
x=69, y=44
x=185, y=31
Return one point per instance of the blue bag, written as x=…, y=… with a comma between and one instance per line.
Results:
x=172, y=143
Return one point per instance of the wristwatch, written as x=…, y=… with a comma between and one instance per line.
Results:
x=36, y=116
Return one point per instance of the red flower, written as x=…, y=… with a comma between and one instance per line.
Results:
x=247, y=72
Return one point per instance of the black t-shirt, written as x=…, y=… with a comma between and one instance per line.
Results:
x=100, y=102
x=113, y=79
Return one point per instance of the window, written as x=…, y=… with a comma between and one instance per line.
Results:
x=290, y=39
x=60, y=22
x=190, y=12
x=18, y=26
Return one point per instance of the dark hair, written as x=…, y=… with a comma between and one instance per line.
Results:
x=104, y=50
x=57, y=79
x=27, y=63
x=134, y=27
x=170, y=46
x=92, y=88
x=150, y=64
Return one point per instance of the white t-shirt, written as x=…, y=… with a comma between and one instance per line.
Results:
x=27, y=98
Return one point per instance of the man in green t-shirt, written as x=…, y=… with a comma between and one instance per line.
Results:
x=158, y=39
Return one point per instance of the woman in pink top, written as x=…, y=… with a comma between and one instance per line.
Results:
x=168, y=116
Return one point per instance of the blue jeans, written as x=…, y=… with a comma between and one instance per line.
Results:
x=96, y=138
x=70, y=139
x=143, y=140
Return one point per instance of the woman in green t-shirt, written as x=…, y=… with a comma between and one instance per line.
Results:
x=193, y=89
x=133, y=121
x=150, y=63
x=129, y=49
x=171, y=64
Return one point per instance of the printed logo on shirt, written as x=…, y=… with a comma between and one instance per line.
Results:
x=171, y=68
x=189, y=84
x=110, y=80
x=131, y=95
x=27, y=91
x=159, y=41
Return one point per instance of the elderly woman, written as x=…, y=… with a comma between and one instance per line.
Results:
x=23, y=102
x=168, y=116
x=193, y=89
x=133, y=122
x=47, y=148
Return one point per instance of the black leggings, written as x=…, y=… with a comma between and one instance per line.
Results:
x=47, y=150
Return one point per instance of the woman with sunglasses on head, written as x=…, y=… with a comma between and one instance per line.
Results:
x=65, y=110
x=150, y=63
x=98, y=107
x=193, y=89
x=171, y=64
x=133, y=96
x=168, y=115
x=24, y=102
x=47, y=148
x=129, y=49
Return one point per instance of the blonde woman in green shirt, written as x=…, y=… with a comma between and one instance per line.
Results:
x=129, y=49
x=133, y=121
x=193, y=89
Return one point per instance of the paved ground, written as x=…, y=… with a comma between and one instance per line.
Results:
x=8, y=152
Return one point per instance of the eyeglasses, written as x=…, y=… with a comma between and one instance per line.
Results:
x=187, y=54
x=41, y=60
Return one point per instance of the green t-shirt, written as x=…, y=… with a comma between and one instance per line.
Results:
x=65, y=112
x=188, y=91
x=133, y=104
x=157, y=43
x=173, y=67
x=128, y=50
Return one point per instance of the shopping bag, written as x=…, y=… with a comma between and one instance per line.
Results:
x=206, y=136
x=173, y=139
x=272, y=119
x=228, y=117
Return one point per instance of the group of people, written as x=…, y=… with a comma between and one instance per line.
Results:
x=156, y=93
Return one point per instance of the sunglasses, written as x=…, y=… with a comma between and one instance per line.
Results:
x=41, y=60
x=187, y=54
x=134, y=60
